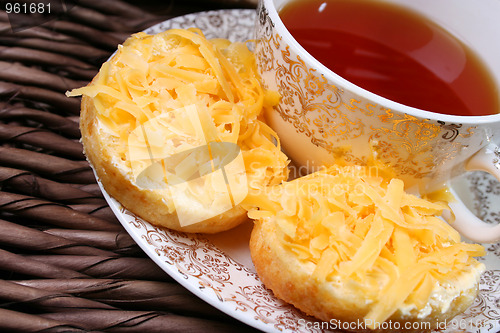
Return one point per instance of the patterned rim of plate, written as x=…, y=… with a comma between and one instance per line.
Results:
x=212, y=273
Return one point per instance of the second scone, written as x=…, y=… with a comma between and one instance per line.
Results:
x=348, y=246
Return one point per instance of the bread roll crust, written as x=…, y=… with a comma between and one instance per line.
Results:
x=291, y=281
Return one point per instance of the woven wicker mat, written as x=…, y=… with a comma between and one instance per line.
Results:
x=66, y=264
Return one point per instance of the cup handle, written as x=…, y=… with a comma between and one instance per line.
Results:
x=468, y=224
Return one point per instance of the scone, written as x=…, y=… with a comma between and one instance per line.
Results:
x=350, y=247
x=171, y=125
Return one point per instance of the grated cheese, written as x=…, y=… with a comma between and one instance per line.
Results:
x=185, y=91
x=366, y=228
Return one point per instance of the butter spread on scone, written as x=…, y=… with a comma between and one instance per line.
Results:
x=349, y=244
x=161, y=119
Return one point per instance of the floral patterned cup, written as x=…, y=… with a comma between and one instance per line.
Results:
x=323, y=117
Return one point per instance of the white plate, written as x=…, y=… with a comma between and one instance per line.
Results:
x=218, y=268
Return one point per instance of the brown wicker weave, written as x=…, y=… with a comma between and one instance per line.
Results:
x=66, y=264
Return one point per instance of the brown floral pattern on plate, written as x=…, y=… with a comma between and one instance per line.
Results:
x=224, y=276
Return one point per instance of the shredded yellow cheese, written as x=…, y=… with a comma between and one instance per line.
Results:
x=364, y=227
x=151, y=77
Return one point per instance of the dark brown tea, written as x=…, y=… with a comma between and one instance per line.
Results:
x=395, y=53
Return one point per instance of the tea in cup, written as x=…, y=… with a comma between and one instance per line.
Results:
x=416, y=89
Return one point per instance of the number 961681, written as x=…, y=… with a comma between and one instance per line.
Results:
x=27, y=8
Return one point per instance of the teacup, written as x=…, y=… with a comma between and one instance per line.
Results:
x=323, y=118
